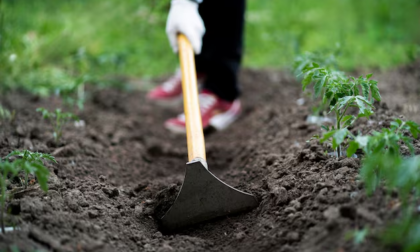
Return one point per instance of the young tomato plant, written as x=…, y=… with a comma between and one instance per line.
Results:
x=58, y=119
x=341, y=93
x=403, y=231
x=383, y=160
x=324, y=59
x=6, y=169
x=327, y=60
x=31, y=163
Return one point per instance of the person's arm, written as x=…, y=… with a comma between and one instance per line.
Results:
x=184, y=18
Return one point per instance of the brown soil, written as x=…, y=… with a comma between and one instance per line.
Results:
x=123, y=168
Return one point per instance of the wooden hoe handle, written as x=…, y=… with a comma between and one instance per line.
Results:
x=194, y=128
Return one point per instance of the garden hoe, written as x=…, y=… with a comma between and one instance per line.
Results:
x=202, y=196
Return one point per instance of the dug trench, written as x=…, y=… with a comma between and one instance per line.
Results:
x=121, y=170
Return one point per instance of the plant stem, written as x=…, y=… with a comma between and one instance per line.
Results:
x=26, y=179
x=345, y=110
x=3, y=199
x=399, y=128
x=338, y=127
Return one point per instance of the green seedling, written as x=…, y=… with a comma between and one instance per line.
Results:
x=383, y=160
x=58, y=119
x=14, y=248
x=6, y=115
x=404, y=232
x=6, y=169
x=358, y=236
x=387, y=141
x=341, y=93
x=327, y=60
x=31, y=163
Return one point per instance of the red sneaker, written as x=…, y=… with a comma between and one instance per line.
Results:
x=170, y=92
x=215, y=112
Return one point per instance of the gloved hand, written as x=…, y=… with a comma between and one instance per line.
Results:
x=184, y=18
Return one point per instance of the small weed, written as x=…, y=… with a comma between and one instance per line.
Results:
x=58, y=119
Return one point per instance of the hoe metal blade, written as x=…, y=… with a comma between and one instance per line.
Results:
x=203, y=197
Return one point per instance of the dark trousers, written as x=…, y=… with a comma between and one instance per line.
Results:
x=222, y=50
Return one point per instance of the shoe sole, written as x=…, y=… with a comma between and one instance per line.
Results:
x=224, y=120
x=173, y=102
x=175, y=129
x=168, y=103
x=218, y=122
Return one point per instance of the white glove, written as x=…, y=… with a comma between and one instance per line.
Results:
x=184, y=18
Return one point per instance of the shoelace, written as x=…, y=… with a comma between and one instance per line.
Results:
x=206, y=102
x=171, y=84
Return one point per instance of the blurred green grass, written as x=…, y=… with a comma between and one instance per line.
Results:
x=48, y=44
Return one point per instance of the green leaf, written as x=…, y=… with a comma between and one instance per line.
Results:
x=41, y=173
x=347, y=120
x=408, y=143
x=375, y=91
x=14, y=248
x=362, y=141
x=7, y=167
x=338, y=137
x=48, y=157
x=14, y=153
x=365, y=89
x=333, y=101
x=369, y=75
x=327, y=136
x=414, y=128
x=327, y=96
x=342, y=102
x=324, y=80
x=314, y=137
x=44, y=112
x=31, y=156
x=307, y=80
x=353, y=146
x=318, y=88
x=365, y=107
x=368, y=173
x=326, y=128
x=355, y=91
x=394, y=124
x=360, y=236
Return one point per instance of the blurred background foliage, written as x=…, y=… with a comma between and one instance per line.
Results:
x=49, y=46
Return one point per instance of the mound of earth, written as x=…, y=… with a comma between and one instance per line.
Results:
x=121, y=170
